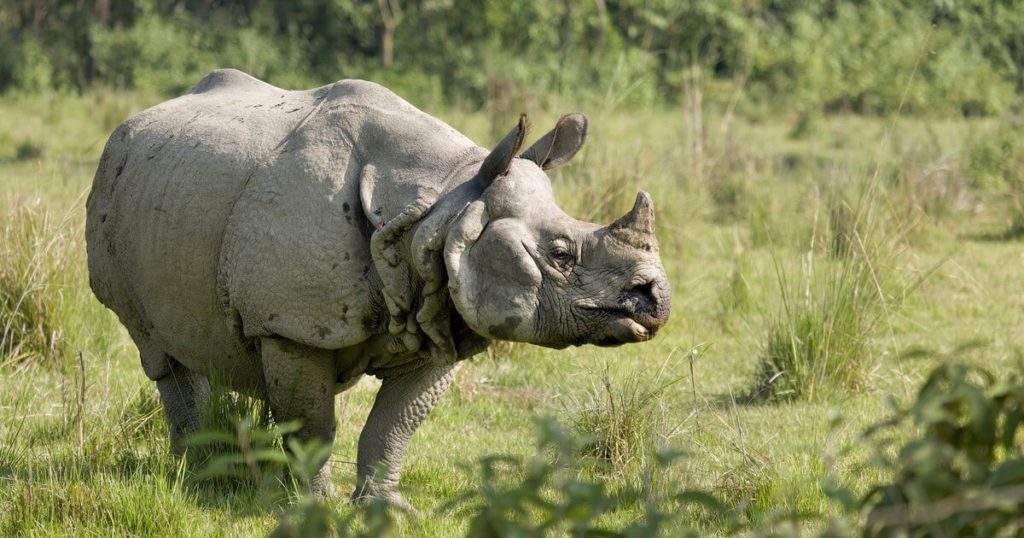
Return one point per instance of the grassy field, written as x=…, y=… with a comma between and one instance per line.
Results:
x=890, y=239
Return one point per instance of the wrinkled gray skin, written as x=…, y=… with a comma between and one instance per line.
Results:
x=285, y=243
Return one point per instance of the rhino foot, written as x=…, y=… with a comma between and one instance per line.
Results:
x=393, y=499
x=320, y=486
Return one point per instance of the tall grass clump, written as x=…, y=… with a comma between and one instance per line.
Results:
x=818, y=342
x=619, y=423
x=35, y=264
x=621, y=420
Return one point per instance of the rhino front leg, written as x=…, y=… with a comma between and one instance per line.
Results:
x=300, y=384
x=402, y=403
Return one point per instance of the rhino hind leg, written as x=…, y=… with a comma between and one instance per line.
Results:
x=184, y=394
x=300, y=385
x=402, y=404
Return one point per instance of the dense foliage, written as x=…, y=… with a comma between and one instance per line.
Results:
x=874, y=56
x=962, y=471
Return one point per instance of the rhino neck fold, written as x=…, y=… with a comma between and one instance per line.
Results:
x=408, y=253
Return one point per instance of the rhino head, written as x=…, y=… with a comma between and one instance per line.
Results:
x=521, y=269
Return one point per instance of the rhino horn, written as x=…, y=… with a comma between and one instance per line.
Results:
x=640, y=219
x=499, y=160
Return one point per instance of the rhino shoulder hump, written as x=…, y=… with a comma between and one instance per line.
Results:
x=230, y=79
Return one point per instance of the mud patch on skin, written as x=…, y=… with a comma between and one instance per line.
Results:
x=322, y=332
x=506, y=327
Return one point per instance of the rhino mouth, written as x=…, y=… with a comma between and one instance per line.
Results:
x=620, y=326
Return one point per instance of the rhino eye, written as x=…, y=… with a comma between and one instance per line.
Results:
x=561, y=255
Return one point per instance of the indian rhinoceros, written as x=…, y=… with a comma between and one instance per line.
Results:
x=286, y=243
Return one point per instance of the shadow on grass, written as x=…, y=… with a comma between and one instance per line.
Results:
x=762, y=391
x=750, y=397
x=40, y=477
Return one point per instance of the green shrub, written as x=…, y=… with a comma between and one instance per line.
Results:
x=313, y=518
x=249, y=452
x=25, y=65
x=544, y=495
x=961, y=471
x=239, y=445
x=548, y=495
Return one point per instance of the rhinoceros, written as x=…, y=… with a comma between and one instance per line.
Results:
x=287, y=243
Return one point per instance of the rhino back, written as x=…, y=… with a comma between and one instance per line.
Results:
x=160, y=202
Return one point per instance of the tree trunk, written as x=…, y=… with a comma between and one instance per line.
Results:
x=602, y=22
x=102, y=11
x=391, y=14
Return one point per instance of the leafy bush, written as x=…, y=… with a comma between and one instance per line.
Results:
x=961, y=472
x=542, y=495
x=547, y=494
x=250, y=453
x=313, y=518
x=25, y=65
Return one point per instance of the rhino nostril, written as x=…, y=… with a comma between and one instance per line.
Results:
x=644, y=292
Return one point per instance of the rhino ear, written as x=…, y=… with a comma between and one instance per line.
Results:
x=559, y=145
x=499, y=160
